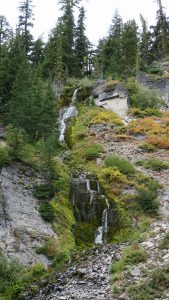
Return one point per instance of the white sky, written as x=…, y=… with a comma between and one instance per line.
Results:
x=98, y=12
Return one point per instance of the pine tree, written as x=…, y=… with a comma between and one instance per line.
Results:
x=4, y=78
x=112, y=47
x=68, y=33
x=130, y=46
x=5, y=30
x=81, y=44
x=25, y=23
x=160, y=34
x=144, y=44
x=37, y=54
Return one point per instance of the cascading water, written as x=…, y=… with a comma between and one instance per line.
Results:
x=65, y=114
x=103, y=229
x=90, y=205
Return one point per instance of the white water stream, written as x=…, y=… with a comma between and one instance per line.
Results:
x=65, y=114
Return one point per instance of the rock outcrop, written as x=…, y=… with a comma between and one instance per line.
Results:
x=22, y=230
x=113, y=97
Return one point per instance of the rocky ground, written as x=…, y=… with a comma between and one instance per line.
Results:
x=89, y=276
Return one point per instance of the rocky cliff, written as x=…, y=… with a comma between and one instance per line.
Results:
x=22, y=230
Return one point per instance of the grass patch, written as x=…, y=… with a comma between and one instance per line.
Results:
x=147, y=147
x=153, y=164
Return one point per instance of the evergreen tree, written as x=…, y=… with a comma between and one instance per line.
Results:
x=144, y=44
x=25, y=23
x=21, y=104
x=37, y=54
x=160, y=34
x=5, y=30
x=112, y=48
x=81, y=45
x=68, y=33
x=4, y=77
x=130, y=47
x=54, y=66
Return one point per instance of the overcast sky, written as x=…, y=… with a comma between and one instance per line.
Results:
x=98, y=12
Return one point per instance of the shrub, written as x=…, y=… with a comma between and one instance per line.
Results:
x=146, y=113
x=93, y=151
x=147, y=147
x=153, y=164
x=142, y=97
x=124, y=166
x=47, y=211
x=4, y=156
x=100, y=116
x=15, y=139
x=161, y=141
x=10, y=272
x=134, y=255
x=43, y=191
x=111, y=174
x=146, y=99
x=147, y=199
x=36, y=271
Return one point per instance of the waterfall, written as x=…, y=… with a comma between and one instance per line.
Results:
x=103, y=229
x=91, y=204
x=65, y=114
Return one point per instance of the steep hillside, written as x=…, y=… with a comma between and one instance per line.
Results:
x=119, y=194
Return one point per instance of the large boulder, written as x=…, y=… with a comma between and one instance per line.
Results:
x=111, y=95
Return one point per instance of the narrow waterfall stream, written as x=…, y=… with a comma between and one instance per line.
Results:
x=65, y=114
x=90, y=205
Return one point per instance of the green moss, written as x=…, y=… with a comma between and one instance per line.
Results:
x=84, y=234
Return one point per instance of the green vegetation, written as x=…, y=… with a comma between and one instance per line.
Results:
x=47, y=212
x=147, y=198
x=4, y=156
x=153, y=164
x=147, y=147
x=152, y=287
x=164, y=244
x=147, y=112
x=124, y=166
x=144, y=99
x=14, y=278
x=92, y=151
x=131, y=255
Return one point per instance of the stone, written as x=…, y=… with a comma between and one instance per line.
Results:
x=136, y=272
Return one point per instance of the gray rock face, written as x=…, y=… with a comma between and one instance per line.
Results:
x=161, y=85
x=22, y=229
x=114, y=98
